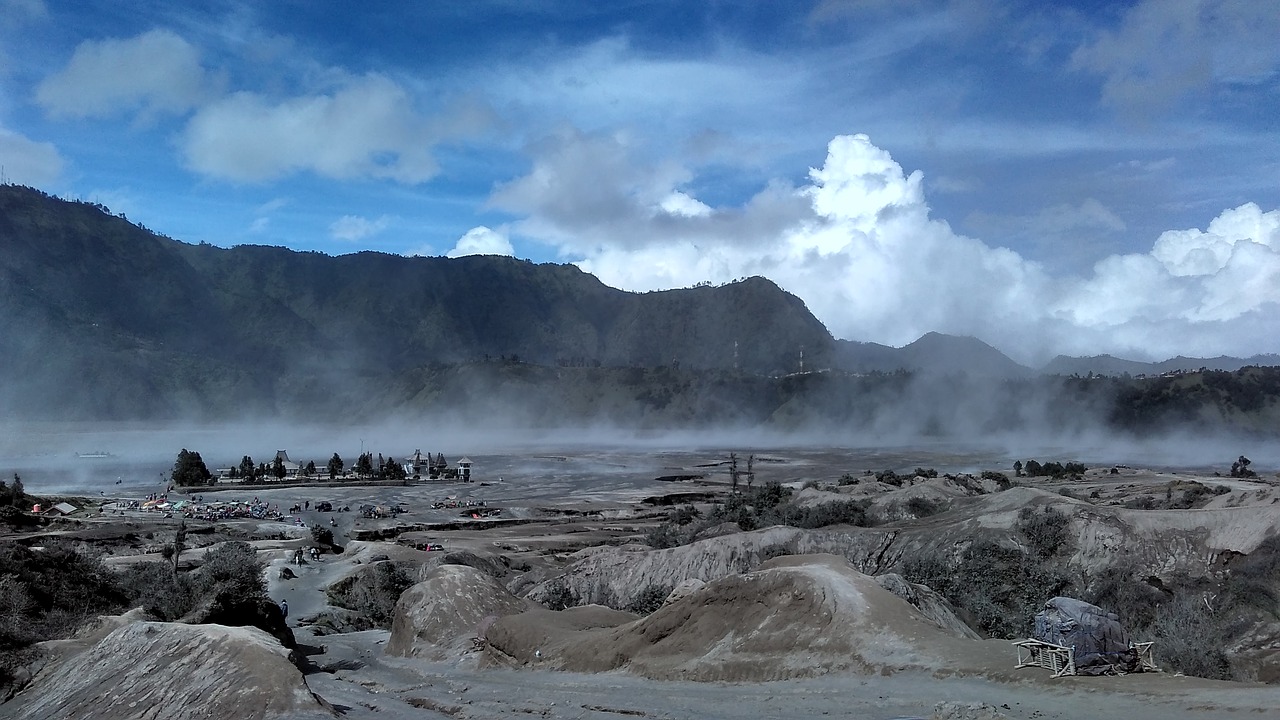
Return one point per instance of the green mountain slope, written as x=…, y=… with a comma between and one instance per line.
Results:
x=104, y=319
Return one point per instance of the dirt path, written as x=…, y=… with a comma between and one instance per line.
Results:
x=375, y=686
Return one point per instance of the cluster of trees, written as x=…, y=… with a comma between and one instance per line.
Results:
x=190, y=469
x=388, y=469
x=1056, y=470
x=14, y=495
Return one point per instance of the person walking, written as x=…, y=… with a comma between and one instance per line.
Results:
x=284, y=609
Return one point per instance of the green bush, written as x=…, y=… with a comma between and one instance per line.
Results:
x=666, y=535
x=1001, y=480
x=649, y=599
x=1047, y=531
x=49, y=595
x=231, y=572
x=848, y=512
x=1001, y=587
x=560, y=597
x=322, y=535
x=154, y=587
x=372, y=593
x=924, y=507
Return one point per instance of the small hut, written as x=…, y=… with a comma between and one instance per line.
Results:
x=464, y=469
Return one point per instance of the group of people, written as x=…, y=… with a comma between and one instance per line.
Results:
x=313, y=552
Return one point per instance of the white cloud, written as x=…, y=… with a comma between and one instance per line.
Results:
x=27, y=162
x=1164, y=49
x=858, y=246
x=352, y=228
x=482, y=241
x=367, y=128
x=153, y=72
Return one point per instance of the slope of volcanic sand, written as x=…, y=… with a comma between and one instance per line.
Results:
x=172, y=671
x=797, y=616
x=438, y=617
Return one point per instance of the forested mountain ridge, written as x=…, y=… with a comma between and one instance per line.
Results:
x=106, y=319
x=101, y=319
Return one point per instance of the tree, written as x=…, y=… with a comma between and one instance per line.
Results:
x=277, y=468
x=15, y=495
x=393, y=470
x=335, y=466
x=310, y=469
x=246, y=468
x=364, y=466
x=189, y=469
x=1017, y=468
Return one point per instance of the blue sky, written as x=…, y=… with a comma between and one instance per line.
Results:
x=1051, y=177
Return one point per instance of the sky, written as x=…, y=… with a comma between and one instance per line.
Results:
x=1052, y=178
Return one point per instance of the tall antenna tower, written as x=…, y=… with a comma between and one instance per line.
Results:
x=735, y=355
x=802, y=359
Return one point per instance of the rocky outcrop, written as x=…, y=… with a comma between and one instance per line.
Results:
x=147, y=670
x=438, y=617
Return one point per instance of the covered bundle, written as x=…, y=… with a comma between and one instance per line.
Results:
x=1099, y=644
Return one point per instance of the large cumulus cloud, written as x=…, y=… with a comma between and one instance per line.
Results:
x=858, y=244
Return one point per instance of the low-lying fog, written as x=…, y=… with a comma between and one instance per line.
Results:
x=57, y=458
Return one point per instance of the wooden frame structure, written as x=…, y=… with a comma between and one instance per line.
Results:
x=1060, y=660
x=1057, y=659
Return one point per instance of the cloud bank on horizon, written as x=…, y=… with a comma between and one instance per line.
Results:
x=1077, y=180
x=858, y=245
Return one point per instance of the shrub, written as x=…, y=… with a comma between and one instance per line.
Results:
x=848, y=512
x=684, y=515
x=231, y=573
x=649, y=600
x=889, y=477
x=49, y=595
x=1254, y=580
x=926, y=472
x=1118, y=589
x=770, y=496
x=663, y=536
x=1000, y=587
x=1190, y=638
x=373, y=593
x=322, y=535
x=770, y=552
x=1000, y=479
x=1046, y=531
x=154, y=587
x=924, y=507
x=559, y=596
